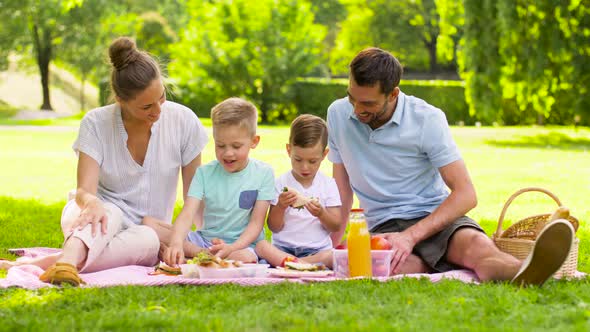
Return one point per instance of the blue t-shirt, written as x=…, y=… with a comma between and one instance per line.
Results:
x=393, y=169
x=230, y=197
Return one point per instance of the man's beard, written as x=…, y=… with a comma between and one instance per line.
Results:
x=379, y=116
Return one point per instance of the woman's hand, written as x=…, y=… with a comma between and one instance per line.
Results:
x=93, y=213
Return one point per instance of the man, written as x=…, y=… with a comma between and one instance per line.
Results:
x=396, y=153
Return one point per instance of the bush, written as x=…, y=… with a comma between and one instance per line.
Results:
x=315, y=95
x=7, y=110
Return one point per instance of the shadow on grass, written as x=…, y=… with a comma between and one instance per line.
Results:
x=552, y=140
x=29, y=223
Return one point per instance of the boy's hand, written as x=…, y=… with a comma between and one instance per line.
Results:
x=221, y=249
x=174, y=254
x=315, y=208
x=286, y=199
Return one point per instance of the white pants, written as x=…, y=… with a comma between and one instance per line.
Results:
x=120, y=246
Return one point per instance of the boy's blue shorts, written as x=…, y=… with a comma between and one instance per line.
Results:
x=299, y=252
x=199, y=240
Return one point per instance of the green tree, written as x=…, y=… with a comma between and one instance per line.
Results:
x=84, y=52
x=480, y=62
x=251, y=49
x=40, y=25
x=527, y=62
x=329, y=13
x=353, y=37
x=411, y=29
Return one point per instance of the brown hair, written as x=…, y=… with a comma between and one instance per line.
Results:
x=307, y=130
x=374, y=65
x=132, y=70
x=235, y=111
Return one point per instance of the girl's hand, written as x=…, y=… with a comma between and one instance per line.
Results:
x=286, y=198
x=315, y=208
x=94, y=214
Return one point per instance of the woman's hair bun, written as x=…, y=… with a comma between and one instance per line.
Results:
x=123, y=52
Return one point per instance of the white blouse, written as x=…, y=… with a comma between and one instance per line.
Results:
x=178, y=137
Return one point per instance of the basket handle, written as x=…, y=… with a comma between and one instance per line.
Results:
x=499, y=230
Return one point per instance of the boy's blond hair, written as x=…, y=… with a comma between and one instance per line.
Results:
x=235, y=112
x=307, y=130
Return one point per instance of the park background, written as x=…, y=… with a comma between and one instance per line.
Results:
x=512, y=77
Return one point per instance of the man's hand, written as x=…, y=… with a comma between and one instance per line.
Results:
x=402, y=245
x=94, y=214
x=315, y=208
x=174, y=254
x=286, y=198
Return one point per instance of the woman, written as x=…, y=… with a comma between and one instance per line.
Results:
x=129, y=157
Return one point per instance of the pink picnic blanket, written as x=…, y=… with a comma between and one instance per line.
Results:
x=27, y=276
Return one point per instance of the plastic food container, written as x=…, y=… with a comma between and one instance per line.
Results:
x=380, y=260
x=244, y=271
x=189, y=270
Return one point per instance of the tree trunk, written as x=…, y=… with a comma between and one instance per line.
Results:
x=43, y=53
x=432, y=54
x=263, y=111
x=540, y=119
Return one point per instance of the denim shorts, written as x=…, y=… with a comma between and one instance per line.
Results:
x=433, y=250
x=199, y=240
x=299, y=252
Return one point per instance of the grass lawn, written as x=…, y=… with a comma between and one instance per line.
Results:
x=37, y=168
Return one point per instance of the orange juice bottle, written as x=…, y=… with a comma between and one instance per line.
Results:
x=359, y=245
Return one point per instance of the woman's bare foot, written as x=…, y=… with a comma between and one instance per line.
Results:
x=6, y=265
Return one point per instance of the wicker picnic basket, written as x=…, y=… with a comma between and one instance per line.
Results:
x=518, y=239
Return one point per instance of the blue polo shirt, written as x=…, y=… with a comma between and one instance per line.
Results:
x=393, y=170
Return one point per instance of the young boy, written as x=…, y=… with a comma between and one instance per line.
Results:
x=228, y=197
x=303, y=233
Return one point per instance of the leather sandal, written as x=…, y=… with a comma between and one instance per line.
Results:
x=61, y=273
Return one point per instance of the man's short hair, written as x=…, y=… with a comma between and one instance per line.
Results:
x=374, y=65
x=235, y=112
x=307, y=130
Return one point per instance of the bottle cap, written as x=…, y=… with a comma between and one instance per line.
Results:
x=357, y=210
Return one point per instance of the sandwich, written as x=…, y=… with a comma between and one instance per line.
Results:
x=301, y=199
x=166, y=269
x=300, y=266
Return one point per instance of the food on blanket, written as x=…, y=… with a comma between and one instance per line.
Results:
x=288, y=259
x=205, y=259
x=166, y=269
x=300, y=266
x=341, y=246
x=301, y=200
x=379, y=243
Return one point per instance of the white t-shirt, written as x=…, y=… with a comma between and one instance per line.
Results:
x=302, y=229
x=141, y=190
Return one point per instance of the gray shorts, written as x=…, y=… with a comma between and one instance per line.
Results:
x=433, y=250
